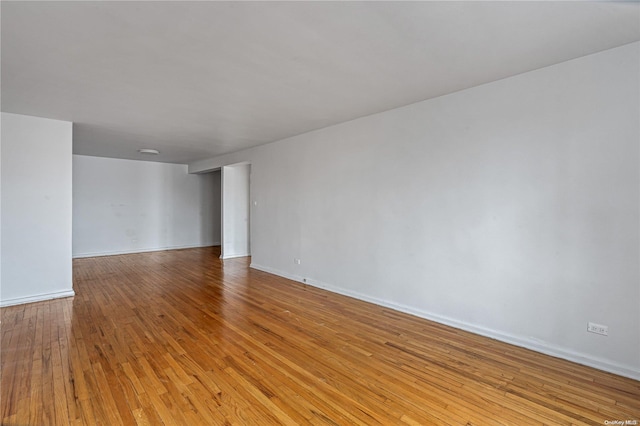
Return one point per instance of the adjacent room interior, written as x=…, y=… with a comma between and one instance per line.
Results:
x=320, y=213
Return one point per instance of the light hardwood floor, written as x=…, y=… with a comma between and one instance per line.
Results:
x=180, y=337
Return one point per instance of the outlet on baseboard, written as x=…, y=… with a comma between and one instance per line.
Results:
x=592, y=327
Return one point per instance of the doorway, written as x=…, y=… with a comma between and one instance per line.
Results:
x=236, y=235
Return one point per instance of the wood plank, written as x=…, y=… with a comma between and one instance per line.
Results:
x=181, y=337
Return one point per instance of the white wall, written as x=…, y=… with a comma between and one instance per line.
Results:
x=125, y=206
x=36, y=209
x=510, y=209
x=235, y=211
x=0, y=212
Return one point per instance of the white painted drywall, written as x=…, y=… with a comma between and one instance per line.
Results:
x=510, y=209
x=36, y=209
x=235, y=211
x=126, y=206
x=0, y=209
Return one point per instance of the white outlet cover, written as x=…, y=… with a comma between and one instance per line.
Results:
x=592, y=327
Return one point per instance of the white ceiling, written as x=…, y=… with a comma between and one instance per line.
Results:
x=199, y=79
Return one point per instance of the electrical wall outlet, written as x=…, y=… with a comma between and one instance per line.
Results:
x=592, y=327
x=296, y=260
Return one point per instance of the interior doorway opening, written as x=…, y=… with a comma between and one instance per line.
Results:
x=235, y=217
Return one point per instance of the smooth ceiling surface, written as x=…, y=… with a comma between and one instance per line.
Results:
x=199, y=79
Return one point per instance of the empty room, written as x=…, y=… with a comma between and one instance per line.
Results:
x=328, y=213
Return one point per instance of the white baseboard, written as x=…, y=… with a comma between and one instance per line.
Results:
x=141, y=250
x=36, y=298
x=542, y=347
